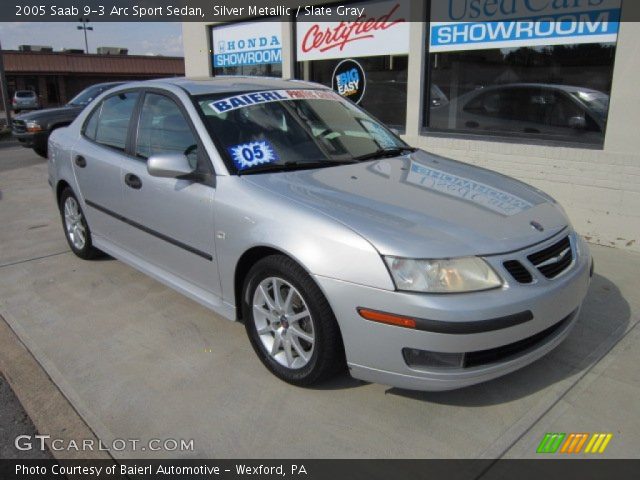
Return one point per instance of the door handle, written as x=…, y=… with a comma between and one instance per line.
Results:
x=133, y=181
x=80, y=161
x=472, y=124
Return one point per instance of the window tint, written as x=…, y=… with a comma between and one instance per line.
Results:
x=92, y=123
x=164, y=129
x=113, y=126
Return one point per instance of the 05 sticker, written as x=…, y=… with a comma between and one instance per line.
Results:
x=248, y=155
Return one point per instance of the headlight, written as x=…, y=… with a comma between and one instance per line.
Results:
x=456, y=275
x=33, y=126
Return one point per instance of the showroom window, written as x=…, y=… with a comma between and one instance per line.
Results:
x=247, y=48
x=364, y=59
x=530, y=89
x=385, y=95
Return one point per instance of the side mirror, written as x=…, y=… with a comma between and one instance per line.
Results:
x=169, y=165
x=579, y=123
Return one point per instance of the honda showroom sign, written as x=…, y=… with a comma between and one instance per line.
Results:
x=382, y=29
x=485, y=24
x=247, y=43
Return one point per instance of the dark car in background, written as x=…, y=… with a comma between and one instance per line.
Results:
x=33, y=129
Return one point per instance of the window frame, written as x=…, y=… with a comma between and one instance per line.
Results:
x=126, y=150
x=208, y=172
x=502, y=137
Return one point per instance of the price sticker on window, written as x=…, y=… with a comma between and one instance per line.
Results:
x=248, y=155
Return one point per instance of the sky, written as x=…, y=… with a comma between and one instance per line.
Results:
x=143, y=38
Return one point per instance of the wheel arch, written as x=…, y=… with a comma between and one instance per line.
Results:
x=60, y=187
x=247, y=260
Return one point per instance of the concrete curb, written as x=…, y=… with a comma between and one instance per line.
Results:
x=50, y=411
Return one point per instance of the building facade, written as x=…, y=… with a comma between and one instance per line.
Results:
x=551, y=100
x=57, y=77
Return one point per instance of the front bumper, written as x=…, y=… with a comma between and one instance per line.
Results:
x=31, y=140
x=374, y=350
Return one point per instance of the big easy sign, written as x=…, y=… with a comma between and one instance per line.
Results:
x=381, y=29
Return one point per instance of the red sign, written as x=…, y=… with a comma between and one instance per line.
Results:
x=347, y=32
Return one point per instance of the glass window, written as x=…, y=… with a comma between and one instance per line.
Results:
x=385, y=95
x=164, y=129
x=113, y=126
x=92, y=123
x=548, y=92
x=294, y=131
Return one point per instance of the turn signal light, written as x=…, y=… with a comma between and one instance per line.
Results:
x=387, y=318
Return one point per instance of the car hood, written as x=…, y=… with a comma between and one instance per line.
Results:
x=66, y=111
x=424, y=206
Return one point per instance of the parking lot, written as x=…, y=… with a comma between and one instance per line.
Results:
x=139, y=361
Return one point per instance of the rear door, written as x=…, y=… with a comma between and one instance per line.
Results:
x=97, y=162
x=171, y=220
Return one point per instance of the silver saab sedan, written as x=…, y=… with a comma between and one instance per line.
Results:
x=282, y=205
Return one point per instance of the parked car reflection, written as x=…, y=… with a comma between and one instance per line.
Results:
x=537, y=109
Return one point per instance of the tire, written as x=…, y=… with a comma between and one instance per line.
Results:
x=76, y=229
x=42, y=151
x=297, y=360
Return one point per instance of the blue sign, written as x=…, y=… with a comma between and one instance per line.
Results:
x=558, y=28
x=246, y=43
x=247, y=155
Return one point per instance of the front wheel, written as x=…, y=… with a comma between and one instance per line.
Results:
x=290, y=323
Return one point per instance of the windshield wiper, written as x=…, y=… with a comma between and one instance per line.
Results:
x=384, y=153
x=288, y=166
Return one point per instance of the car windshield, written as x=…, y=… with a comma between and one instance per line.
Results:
x=271, y=130
x=598, y=102
x=25, y=94
x=85, y=96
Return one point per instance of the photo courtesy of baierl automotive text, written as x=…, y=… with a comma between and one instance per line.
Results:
x=361, y=239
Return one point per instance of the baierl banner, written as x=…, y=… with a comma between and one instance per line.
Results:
x=485, y=24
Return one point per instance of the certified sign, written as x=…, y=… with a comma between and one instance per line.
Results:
x=348, y=80
x=379, y=28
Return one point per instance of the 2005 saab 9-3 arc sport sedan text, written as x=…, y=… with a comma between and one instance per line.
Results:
x=285, y=206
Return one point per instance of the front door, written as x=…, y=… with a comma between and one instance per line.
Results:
x=171, y=221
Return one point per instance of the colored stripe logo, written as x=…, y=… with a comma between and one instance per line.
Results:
x=574, y=443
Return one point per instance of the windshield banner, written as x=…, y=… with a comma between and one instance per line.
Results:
x=248, y=99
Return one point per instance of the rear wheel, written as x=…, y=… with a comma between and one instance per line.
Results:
x=75, y=225
x=290, y=323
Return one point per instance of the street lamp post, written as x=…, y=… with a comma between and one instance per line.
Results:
x=3, y=90
x=84, y=21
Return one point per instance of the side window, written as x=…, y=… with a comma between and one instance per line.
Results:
x=113, y=126
x=92, y=123
x=164, y=129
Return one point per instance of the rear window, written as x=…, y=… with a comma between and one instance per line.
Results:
x=25, y=94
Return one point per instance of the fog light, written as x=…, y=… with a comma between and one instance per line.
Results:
x=424, y=359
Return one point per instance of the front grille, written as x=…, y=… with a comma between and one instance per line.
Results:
x=19, y=126
x=554, y=260
x=518, y=271
x=494, y=355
